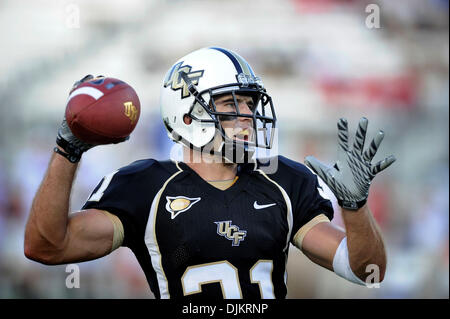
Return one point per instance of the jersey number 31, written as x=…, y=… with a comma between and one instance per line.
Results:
x=224, y=273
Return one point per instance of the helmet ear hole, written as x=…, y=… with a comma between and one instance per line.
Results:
x=187, y=119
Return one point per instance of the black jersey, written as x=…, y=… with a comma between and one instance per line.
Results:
x=195, y=241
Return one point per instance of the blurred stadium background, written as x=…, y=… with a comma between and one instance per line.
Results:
x=319, y=60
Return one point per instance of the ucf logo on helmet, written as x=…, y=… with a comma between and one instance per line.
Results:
x=175, y=81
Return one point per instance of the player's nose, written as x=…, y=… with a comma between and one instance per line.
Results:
x=245, y=109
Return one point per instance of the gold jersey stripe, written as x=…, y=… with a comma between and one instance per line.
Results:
x=152, y=242
x=289, y=216
x=298, y=238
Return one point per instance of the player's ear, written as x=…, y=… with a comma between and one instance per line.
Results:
x=187, y=119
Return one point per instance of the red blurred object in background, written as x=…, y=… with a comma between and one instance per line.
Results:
x=396, y=91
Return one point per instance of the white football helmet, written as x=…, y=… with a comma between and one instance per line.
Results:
x=189, y=88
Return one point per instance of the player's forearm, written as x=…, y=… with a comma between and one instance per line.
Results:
x=47, y=224
x=365, y=242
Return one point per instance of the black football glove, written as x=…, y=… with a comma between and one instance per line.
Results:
x=350, y=177
x=72, y=146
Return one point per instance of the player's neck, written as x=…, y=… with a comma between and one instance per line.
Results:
x=209, y=167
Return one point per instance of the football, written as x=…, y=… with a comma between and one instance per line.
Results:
x=102, y=111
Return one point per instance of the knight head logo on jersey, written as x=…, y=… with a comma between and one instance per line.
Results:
x=178, y=204
x=175, y=81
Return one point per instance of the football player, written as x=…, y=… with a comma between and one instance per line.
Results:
x=215, y=224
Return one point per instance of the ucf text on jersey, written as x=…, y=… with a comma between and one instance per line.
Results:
x=194, y=240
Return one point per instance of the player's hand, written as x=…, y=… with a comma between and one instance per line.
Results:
x=72, y=146
x=350, y=177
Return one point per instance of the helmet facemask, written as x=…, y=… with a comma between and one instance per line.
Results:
x=262, y=115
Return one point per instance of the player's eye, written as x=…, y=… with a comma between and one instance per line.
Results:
x=230, y=106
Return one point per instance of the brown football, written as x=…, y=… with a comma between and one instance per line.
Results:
x=102, y=111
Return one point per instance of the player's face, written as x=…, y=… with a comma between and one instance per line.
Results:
x=236, y=127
